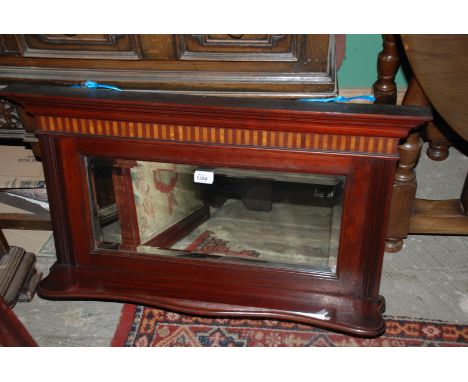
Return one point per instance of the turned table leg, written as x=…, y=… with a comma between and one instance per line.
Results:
x=439, y=145
x=404, y=186
x=464, y=196
x=404, y=193
x=388, y=62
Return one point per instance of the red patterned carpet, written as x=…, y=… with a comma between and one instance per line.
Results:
x=143, y=326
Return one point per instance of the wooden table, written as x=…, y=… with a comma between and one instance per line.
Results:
x=440, y=79
x=440, y=64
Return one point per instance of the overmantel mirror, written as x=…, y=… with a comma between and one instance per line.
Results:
x=218, y=206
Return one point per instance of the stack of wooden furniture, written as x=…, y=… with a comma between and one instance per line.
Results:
x=247, y=66
x=269, y=65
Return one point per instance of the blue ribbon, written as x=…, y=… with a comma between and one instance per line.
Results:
x=94, y=85
x=339, y=99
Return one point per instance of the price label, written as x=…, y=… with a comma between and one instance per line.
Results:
x=206, y=177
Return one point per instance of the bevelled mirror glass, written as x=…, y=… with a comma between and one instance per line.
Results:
x=265, y=218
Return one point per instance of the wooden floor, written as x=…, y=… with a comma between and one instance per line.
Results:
x=427, y=279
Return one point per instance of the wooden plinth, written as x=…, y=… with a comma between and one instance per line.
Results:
x=355, y=316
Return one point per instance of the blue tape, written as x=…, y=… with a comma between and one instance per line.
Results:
x=339, y=99
x=94, y=85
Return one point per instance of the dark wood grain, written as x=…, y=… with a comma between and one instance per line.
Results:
x=439, y=217
x=274, y=115
x=12, y=331
x=25, y=221
x=356, y=316
x=440, y=63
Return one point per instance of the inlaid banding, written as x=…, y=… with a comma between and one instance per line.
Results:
x=224, y=136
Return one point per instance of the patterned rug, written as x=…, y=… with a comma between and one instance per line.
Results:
x=144, y=326
x=208, y=243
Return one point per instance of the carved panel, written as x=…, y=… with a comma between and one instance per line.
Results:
x=3, y=46
x=240, y=47
x=10, y=124
x=238, y=40
x=80, y=39
x=87, y=46
x=8, y=44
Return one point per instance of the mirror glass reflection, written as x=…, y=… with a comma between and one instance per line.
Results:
x=267, y=218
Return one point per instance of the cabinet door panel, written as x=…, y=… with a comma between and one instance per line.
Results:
x=8, y=44
x=90, y=46
x=263, y=65
x=241, y=47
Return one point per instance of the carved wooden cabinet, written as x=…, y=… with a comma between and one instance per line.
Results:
x=244, y=64
x=219, y=206
x=268, y=65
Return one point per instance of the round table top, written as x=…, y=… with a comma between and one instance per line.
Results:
x=440, y=64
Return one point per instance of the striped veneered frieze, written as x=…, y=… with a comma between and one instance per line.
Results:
x=225, y=136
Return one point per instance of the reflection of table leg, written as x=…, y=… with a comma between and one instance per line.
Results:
x=385, y=89
x=128, y=216
x=125, y=200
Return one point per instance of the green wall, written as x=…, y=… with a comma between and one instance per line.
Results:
x=359, y=68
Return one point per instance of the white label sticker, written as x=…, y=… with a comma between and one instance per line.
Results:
x=206, y=177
